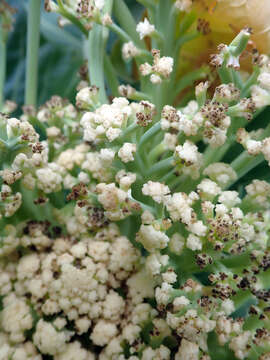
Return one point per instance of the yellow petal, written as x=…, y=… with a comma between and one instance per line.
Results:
x=230, y=16
x=226, y=19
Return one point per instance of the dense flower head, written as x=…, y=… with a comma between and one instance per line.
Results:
x=135, y=227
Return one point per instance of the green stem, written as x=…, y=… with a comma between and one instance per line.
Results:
x=179, y=181
x=3, y=61
x=146, y=3
x=149, y=134
x=184, y=39
x=214, y=155
x=189, y=78
x=126, y=132
x=170, y=176
x=126, y=21
x=250, y=81
x=225, y=74
x=33, y=25
x=241, y=298
x=239, y=43
x=265, y=278
x=139, y=163
x=28, y=210
x=166, y=11
x=138, y=96
x=71, y=18
x=111, y=76
x=97, y=39
x=188, y=19
x=237, y=80
x=159, y=38
x=161, y=166
x=244, y=163
x=156, y=152
x=96, y=60
x=120, y=32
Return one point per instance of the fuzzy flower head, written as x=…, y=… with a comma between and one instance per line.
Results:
x=161, y=68
x=144, y=28
x=106, y=121
x=183, y=5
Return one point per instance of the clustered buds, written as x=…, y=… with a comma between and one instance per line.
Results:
x=124, y=232
x=161, y=68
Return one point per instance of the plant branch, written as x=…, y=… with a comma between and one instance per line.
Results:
x=3, y=58
x=33, y=25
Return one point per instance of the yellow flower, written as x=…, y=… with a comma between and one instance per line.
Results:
x=227, y=17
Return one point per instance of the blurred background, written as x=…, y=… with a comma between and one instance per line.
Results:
x=60, y=55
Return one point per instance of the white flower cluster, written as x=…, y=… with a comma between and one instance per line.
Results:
x=88, y=11
x=129, y=50
x=144, y=28
x=161, y=68
x=76, y=282
x=10, y=202
x=260, y=92
x=123, y=234
x=189, y=158
x=107, y=121
x=183, y=5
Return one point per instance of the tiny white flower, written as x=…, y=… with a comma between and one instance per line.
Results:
x=129, y=50
x=194, y=243
x=144, y=28
x=126, y=152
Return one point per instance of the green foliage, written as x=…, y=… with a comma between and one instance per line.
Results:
x=60, y=56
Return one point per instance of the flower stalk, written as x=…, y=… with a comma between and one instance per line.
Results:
x=3, y=60
x=33, y=36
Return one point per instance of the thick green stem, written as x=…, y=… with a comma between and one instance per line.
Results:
x=250, y=81
x=126, y=21
x=225, y=74
x=111, y=76
x=146, y=3
x=96, y=60
x=189, y=78
x=148, y=135
x=245, y=162
x=212, y=155
x=138, y=96
x=188, y=19
x=33, y=25
x=3, y=55
x=139, y=163
x=128, y=130
x=239, y=43
x=120, y=32
x=156, y=152
x=161, y=166
x=237, y=79
x=97, y=39
x=170, y=176
x=166, y=29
